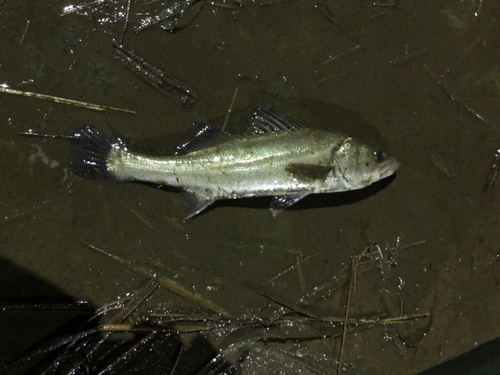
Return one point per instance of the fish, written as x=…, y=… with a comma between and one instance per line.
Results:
x=277, y=157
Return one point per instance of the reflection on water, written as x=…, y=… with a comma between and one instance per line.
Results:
x=438, y=119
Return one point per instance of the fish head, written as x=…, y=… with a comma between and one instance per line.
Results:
x=362, y=164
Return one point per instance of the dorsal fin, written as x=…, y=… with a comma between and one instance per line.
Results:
x=268, y=120
x=205, y=136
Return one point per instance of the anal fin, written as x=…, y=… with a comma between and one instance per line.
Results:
x=193, y=204
x=282, y=202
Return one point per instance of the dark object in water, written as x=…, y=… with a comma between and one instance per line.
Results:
x=156, y=77
x=493, y=174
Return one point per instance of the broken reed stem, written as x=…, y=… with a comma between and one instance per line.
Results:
x=174, y=367
x=230, y=109
x=195, y=325
x=137, y=299
x=350, y=286
x=56, y=99
x=164, y=281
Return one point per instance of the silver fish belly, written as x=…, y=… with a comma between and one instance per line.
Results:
x=281, y=159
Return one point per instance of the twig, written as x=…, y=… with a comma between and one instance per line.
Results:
x=129, y=5
x=230, y=109
x=123, y=357
x=388, y=4
x=413, y=13
x=452, y=97
x=140, y=217
x=305, y=311
x=31, y=133
x=351, y=50
x=351, y=286
x=24, y=32
x=479, y=8
x=408, y=57
x=170, y=86
x=95, y=107
x=164, y=281
x=418, y=243
x=291, y=267
x=329, y=16
x=301, y=277
x=325, y=78
x=479, y=36
x=181, y=349
x=379, y=14
x=493, y=174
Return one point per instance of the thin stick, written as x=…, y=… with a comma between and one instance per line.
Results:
x=413, y=13
x=452, y=97
x=140, y=217
x=479, y=36
x=325, y=78
x=164, y=281
x=479, y=8
x=418, y=243
x=31, y=133
x=301, y=277
x=95, y=107
x=388, y=4
x=379, y=14
x=291, y=268
x=350, y=287
x=342, y=54
x=24, y=32
x=307, y=312
x=172, y=372
x=230, y=109
x=126, y=20
x=408, y=57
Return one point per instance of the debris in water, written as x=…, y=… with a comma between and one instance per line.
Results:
x=174, y=17
x=493, y=174
x=164, y=281
x=156, y=77
x=409, y=56
x=454, y=99
x=438, y=161
x=55, y=99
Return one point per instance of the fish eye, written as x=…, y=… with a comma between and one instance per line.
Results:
x=379, y=156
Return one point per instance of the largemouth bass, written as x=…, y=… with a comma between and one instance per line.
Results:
x=278, y=158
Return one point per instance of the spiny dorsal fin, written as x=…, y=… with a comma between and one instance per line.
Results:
x=205, y=136
x=268, y=120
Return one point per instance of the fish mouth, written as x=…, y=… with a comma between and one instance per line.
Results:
x=389, y=169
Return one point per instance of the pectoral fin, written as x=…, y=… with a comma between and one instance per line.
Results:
x=282, y=202
x=309, y=172
x=193, y=204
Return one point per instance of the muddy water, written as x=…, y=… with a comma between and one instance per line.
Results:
x=423, y=82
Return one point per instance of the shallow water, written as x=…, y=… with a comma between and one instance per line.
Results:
x=444, y=133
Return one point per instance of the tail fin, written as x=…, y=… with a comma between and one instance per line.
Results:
x=90, y=149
